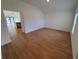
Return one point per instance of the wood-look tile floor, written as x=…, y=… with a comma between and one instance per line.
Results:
x=40, y=44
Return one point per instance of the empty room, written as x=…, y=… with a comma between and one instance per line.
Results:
x=39, y=29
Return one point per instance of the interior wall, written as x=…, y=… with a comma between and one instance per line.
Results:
x=74, y=40
x=31, y=17
x=5, y=37
x=60, y=20
x=34, y=18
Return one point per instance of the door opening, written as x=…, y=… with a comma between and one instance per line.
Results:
x=13, y=21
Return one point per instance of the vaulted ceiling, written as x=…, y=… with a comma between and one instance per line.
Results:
x=53, y=5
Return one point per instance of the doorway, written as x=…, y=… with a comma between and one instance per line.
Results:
x=13, y=21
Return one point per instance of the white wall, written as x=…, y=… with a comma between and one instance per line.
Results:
x=31, y=17
x=59, y=20
x=5, y=38
x=74, y=40
x=58, y=13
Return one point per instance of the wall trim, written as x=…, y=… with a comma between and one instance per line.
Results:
x=6, y=42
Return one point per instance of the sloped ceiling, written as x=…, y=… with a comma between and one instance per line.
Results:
x=53, y=5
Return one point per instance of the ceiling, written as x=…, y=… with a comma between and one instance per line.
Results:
x=53, y=5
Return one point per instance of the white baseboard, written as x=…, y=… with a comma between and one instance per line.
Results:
x=9, y=41
x=59, y=29
x=34, y=29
